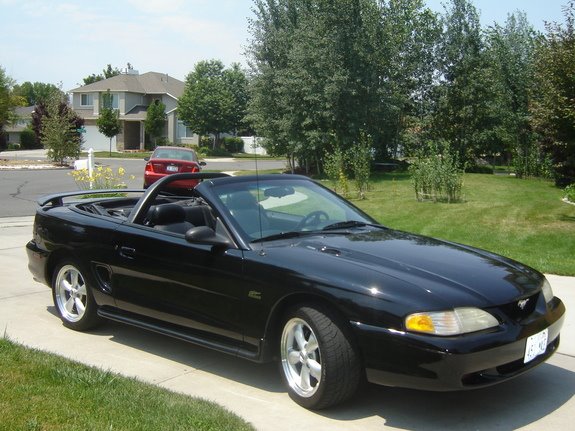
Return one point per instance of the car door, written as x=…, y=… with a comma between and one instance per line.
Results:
x=162, y=276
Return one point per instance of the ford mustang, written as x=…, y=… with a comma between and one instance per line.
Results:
x=278, y=267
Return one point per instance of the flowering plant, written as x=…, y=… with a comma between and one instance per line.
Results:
x=101, y=178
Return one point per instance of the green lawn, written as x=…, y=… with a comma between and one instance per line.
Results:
x=521, y=219
x=41, y=391
x=116, y=155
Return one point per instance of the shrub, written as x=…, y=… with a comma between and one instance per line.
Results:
x=360, y=157
x=334, y=168
x=233, y=144
x=206, y=141
x=477, y=169
x=28, y=139
x=101, y=178
x=436, y=176
x=214, y=152
x=570, y=192
x=531, y=162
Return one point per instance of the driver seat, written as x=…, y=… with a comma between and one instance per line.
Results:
x=249, y=214
x=169, y=218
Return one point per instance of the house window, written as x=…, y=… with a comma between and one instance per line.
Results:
x=86, y=100
x=113, y=102
x=184, y=131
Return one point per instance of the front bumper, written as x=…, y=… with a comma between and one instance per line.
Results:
x=395, y=358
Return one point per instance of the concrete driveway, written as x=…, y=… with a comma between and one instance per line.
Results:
x=540, y=400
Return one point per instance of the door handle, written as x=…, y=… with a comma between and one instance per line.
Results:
x=127, y=252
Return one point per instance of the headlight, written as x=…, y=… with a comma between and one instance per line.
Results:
x=453, y=322
x=547, y=291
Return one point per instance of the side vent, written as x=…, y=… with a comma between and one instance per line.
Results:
x=104, y=277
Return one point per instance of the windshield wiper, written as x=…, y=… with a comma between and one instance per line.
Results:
x=294, y=234
x=346, y=225
x=281, y=235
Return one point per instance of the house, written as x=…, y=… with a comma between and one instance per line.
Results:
x=23, y=120
x=131, y=93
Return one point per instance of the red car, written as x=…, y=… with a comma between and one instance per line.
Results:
x=172, y=160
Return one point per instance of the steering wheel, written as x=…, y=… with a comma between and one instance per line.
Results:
x=313, y=218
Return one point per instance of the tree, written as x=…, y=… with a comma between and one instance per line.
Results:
x=37, y=92
x=155, y=122
x=510, y=53
x=108, y=72
x=463, y=96
x=324, y=73
x=108, y=122
x=236, y=81
x=214, y=99
x=553, y=107
x=8, y=101
x=58, y=128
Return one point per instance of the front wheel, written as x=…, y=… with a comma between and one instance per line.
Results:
x=319, y=362
x=72, y=297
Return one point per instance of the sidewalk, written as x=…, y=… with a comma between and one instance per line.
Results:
x=541, y=400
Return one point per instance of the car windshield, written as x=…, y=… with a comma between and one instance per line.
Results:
x=174, y=154
x=279, y=208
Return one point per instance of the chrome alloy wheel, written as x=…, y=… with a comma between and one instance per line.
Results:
x=301, y=357
x=70, y=293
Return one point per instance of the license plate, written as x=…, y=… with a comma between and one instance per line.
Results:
x=536, y=345
x=172, y=168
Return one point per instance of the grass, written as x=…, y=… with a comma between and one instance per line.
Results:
x=41, y=391
x=116, y=155
x=521, y=219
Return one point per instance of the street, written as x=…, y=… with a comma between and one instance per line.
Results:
x=19, y=188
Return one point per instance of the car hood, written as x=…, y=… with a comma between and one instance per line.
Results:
x=436, y=272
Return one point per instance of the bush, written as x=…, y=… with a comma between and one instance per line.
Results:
x=360, y=157
x=215, y=152
x=476, y=169
x=531, y=162
x=334, y=168
x=101, y=178
x=436, y=176
x=233, y=144
x=206, y=141
x=28, y=139
x=570, y=192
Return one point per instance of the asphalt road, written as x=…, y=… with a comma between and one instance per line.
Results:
x=19, y=188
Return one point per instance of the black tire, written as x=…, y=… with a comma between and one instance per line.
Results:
x=73, y=298
x=321, y=373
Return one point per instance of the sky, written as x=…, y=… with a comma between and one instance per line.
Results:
x=63, y=41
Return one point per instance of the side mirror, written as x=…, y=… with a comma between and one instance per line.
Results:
x=147, y=159
x=203, y=163
x=206, y=236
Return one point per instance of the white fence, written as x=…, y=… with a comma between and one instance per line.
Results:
x=252, y=145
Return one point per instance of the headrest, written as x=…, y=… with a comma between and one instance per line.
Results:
x=167, y=214
x=242, y=200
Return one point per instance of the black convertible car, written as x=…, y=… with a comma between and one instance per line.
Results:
x=278, y=267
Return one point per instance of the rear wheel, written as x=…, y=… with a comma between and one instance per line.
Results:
x=72, y=297
x=319, y=362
